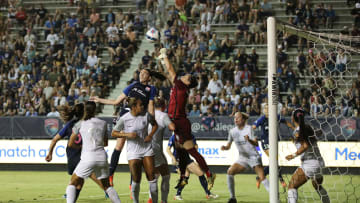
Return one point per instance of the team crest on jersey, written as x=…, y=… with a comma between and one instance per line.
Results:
x=348, y=127
x=51, y=126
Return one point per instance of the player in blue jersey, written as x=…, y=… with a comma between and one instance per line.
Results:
x=141, y=90
x=70, y=116
x=191, y=166
x=263, y=123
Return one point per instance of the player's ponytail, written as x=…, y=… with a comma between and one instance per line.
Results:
x=306, y=132
x=65, y=112
x=78, y=111
x=90, y=110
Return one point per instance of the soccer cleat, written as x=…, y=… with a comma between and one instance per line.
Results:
x=212, y=196
x=111, y=180
x=181, y=183
x=283, y=184
x=64, y=196
x=258, y=182
x=232, y=200
x=106, y=196
x=211, y=181
x=149, y=200
x=178, y=197
x=131, y=197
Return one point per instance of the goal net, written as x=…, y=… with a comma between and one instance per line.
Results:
x=320, y=73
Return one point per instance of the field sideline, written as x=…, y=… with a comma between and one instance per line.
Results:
x=34, y=186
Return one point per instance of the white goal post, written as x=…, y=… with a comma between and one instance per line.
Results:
x=273, y=103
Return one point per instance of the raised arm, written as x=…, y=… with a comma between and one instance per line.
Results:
x=168, y=65
x=110, y=101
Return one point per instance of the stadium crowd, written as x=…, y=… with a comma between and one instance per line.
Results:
x=69, y=70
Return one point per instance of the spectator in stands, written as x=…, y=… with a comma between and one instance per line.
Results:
x=244, y=11
x=195, y=112
x=21, y=15
x=320, y=14
x=72, y=21
x=290, y=6
x=219, y=12
x=31, y=112
x=227, y=46
x=214, y=46
x=215, y=85
x=110, y=17
x=53, y=112
x=92, y=59
x=329, y=107
x=49, y=25
x=241, y=30
x=94, y=17
x=146, y=59
x=41, y=14
x=254, y=10
x=341, y=62
x=330, y=17
x=52, y=38
x=254, y=35
x=265, y=9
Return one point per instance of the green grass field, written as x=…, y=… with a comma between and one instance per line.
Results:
x=50, y=186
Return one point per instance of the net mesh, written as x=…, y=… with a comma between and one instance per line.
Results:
x=327, y=88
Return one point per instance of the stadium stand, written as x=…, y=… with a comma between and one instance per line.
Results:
x=63, y=52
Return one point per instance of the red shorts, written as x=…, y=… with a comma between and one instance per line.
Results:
x=182, y=130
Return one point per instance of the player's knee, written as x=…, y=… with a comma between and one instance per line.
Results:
x=230, y=171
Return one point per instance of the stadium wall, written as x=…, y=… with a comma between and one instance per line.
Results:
x=203, y=128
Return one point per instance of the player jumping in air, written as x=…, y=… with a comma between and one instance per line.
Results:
x=134, y=126
x=177, y=105
x=93, y=156
x=141, y=90
x=311, y=159
x=249, y=157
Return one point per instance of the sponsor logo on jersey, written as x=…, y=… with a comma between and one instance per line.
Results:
x=51, y=126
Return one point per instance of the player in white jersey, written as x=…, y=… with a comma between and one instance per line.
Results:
x=311, y=159
x=93, y=156
x=134, y=126
x=249, y=157
x=161, y=165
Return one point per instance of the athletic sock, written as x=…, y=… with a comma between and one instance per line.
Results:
x=323, y=195
x=231, y=185
x=200, y=160
x=70, y=194
x=135, y=189
x=204, y=184
x=154, y=190
x=292, y=196
x=114, y=161
x=165, y=185
x=266, y=171
x=280, y=175
x=180, y=189
x=265, y=182
x=77, y=194
x=113, y=195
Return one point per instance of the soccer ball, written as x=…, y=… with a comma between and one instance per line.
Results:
x=152, y=35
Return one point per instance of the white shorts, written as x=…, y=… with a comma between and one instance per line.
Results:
x=160, y=159
x=250, y=162
x=85, y=168
x=136, y=155
x=312, y=168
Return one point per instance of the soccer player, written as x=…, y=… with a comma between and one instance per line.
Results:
x=93, y=155
x=263, y=123
x=70, y=116
x=161, y=165
x=134, y=126
x=249, y=157
x=141, y=90
x=191, y=166
x=177, y=105
x=311, y=159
